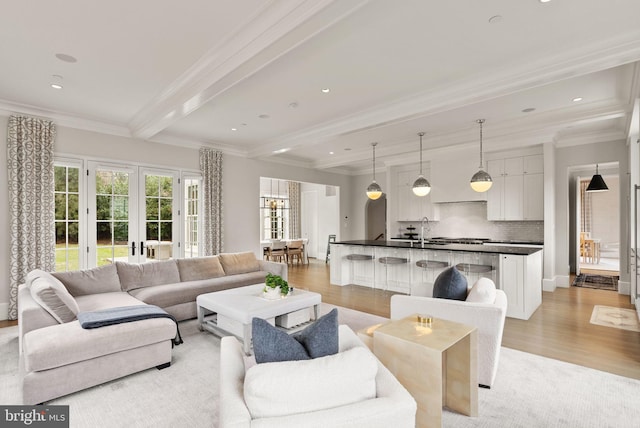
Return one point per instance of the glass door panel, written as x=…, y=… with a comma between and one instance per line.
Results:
x=111, y=198
x=159, y=213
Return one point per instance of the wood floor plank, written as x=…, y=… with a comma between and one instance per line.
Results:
x=559, y=329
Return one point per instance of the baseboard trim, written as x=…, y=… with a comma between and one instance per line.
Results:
x=563, y=281
x=624, y=287
x=549, y=285
x=4, y=311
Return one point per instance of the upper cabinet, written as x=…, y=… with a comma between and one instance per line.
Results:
x=451, y=178
x=410, y=207
x=517, y=191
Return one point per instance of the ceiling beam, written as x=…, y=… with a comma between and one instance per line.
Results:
x=273, y=31
x=588, y=59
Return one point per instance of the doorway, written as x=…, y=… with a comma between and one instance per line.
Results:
x=598, y=228
x=375, y=217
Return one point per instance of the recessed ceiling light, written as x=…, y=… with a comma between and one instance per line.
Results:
x=576, y=99
x=293, y=105
x=56, y=81
x=281, y=150
x=243, y=124
x=545, y=1
x=264, y=116
x=528, y=109
x=330, y=153
x=234, y=129
x=326, y=90
x=495, y=19
x=347, y=149
x=66, y=58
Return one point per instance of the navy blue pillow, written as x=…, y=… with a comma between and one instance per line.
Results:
x=321, y=338
x=450, y=284
x=271, y=344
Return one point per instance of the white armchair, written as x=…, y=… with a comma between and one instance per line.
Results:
x=391, y=406
x=488, y=318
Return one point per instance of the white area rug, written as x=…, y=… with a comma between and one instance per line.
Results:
x=530, y=391
x=608, y=316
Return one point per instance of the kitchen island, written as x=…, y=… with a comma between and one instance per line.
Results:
x=412, y=267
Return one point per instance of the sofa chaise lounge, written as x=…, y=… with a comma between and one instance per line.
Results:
x=58, y=356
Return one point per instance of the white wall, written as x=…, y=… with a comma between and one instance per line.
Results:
x=241, y=183
x=572, y=157
x=327, y=218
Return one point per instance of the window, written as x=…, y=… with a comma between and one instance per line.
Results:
x=67, y=215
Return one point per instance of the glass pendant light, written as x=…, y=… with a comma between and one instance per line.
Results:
x=597, y=184
x=481, y=180
x=374, y=191
x=421, y=186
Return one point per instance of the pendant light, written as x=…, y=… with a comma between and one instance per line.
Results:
x=374, y=191
x=421, y=186
x=597, y=184
x=481, y=180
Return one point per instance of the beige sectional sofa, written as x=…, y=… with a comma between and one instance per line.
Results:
x=58, y=356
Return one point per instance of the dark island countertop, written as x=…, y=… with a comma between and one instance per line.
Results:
x=477, y=248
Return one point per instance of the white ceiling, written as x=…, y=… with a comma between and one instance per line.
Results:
x=186, y=73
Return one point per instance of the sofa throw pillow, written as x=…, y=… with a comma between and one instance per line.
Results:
x=51, y=294
x=133, y=276
x=320, y=339
x=299, y=387
x=273, y=345
x=198, y=268
x=450, y=284
x=235, y=263
x=103, y=279
x=483, y=291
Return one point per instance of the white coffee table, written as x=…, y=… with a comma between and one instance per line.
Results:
x=242, y=304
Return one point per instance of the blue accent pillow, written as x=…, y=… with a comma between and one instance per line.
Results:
x=271, y=344
x=321, y=338
x=450, y=284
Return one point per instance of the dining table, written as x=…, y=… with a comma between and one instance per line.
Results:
x=266, y=243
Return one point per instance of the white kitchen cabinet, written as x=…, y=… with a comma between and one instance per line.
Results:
x=521, y=280
x=450, y=180
x=392, y=269
x=517, y=191
x=411, y=207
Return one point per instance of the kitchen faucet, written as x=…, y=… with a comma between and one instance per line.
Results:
x=422, y=222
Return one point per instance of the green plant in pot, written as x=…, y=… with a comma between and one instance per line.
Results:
x=275, y=281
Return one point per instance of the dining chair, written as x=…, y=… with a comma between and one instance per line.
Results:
x=278, y=251
x=295, y=250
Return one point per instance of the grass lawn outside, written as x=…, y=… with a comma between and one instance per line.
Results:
x=68, y=258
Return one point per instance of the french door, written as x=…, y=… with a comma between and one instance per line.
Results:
x=132, y=214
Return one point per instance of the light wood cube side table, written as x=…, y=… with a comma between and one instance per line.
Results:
x=436, y=362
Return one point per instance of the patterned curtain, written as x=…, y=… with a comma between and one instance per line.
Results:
x=31, y=200
x=586, y=209
x=212, y=233
x=294, y=210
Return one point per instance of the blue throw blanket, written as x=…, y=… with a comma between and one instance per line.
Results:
x=123, y=314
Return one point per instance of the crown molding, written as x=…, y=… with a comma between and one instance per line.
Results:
x=580, y=139
x=8, y=108
x=530, y=130
x=271, y=32
x=587, y=59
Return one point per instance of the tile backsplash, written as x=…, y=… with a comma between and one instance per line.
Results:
x=469, y=220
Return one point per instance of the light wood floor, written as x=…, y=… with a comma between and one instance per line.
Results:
x=559, y=329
